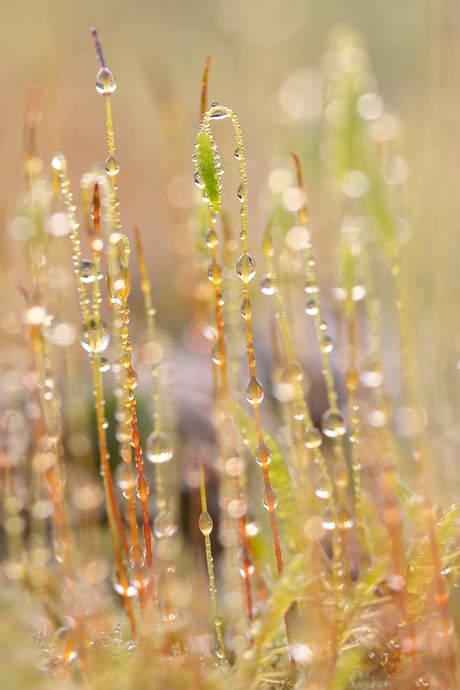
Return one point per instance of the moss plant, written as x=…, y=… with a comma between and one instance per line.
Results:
x=325, y=569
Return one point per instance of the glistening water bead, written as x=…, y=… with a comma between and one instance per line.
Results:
x=124, y=478
x=268, y=494
x=323, y=486
x=268, y=454
x=246, y=267
x=205, y=524
x=105, y=82
x=100, y=340
x=112, y=167
x=159, y=448
x=311, y=307
x=87, y=273
x=254, y=389
x=218, y=114
x=313, y=438
x=164, y=526
x=333, y=424
x=266, y=285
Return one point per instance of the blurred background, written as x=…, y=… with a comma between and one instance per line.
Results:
x=267, y=59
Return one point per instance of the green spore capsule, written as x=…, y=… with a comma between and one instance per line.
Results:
x=207, y=169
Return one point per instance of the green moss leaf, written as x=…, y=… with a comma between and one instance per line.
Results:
x=206, y=165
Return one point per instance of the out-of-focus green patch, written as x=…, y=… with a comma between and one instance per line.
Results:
x=287, y=511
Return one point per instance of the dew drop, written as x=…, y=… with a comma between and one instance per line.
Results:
x=124, y=477
x=328, y=518
x=311, y=287
x=266, y=285
x=341, y=475
x=159, y=448
x=234, y=465
x=313, y=438
x=211, y=238
x=104, y=365
x=87, y=274
x=105, y=82
x=237, y=154
x=326, y=344
x=269, y=496
x=198, y=181
x=131, y=591
x=345, y=518
x=311, y=307
x=246, y=311
x=333, y=424
x=292, y=373
x=142, y=494
x=237, y=508
x=244, y=562
x=205, y=524
x=216, y=354
x=112, y=167
x=254, y=391
x=214, y=272
x=136, y=557
x=100, y=340
x=246, y=267
x=371, y=376
x=323, y=486
x=220, y=113
x=258, y=454
x=239, y=193
x=164, y=526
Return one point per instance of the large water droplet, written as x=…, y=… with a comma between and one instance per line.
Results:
x=234, y=464
x=323, y=486
x=104, y=365
x=100, y=340
x=214, y=272
x=118, y=587
x=254, y=391
x=328, y=518
x=244, y=562
x=205, y=524
x=87, y=271
x=143, y=492
x=313, y=438
x=266, y=285
x=259, y=454
x=246, y=267
x=218, y=114
x=216, y=354
x=198, y=181
x=211, y=238
x=311, y=307
x=105, y=82
x=237, y=507
x=326, y=343
x=333, y=424
x=346, y=520
x=371, y=376
x=136, y=557
x=112, y=167
x=124, y=477
x=269, y=495
x=164, y=525
x=159, y=448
